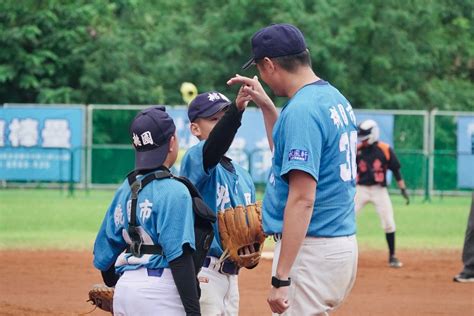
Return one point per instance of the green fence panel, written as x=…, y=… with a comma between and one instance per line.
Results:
x=445, y=171
x=414, y=169
x=110, y=165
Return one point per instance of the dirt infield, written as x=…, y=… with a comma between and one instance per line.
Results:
x=56, y=283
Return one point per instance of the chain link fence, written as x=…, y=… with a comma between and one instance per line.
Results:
x=425, y=143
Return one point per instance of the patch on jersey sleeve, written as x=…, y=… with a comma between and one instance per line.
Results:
x=298, y=154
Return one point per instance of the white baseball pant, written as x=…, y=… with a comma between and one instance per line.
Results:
x=322, y=275
x=219, y=292
x=137, y=293
x=378, y=195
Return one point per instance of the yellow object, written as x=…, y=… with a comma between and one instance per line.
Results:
x=188, y=91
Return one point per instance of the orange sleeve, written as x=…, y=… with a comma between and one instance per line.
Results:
x=385, y=149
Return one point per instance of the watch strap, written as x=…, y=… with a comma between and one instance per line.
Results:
x=277, y=283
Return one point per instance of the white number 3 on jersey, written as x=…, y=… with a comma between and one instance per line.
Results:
x=348, y=144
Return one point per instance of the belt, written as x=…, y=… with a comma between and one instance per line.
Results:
x=277, y=237
x=226, y=267
x=155, y=272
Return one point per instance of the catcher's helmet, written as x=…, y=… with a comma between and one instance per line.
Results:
x=368, y=130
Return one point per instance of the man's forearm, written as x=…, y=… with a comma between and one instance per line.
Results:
x=270, y=115
x=295, y=226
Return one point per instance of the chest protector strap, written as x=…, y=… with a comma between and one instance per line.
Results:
x=203, y=219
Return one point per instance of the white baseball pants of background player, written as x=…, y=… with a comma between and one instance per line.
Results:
x=219, y=291
x=378, y=195
x=138, y=293
x=322, y=275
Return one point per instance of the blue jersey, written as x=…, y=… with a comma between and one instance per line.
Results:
x=316, y=133
x=219, y=187
x=165, y=215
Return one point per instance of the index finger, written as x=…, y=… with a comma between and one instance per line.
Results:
x=240, y=80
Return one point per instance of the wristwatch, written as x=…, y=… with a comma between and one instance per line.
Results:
x=276, y=282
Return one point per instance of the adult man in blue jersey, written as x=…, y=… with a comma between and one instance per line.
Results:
x=222, y=184
x=309, y=200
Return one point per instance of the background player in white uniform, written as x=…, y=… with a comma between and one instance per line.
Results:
x=222, y=183
x=151, y=284
x=309, y=199
x=374, y=158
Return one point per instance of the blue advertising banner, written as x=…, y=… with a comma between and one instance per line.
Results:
x=465, y=151
x=41, y=143
x=249, y=149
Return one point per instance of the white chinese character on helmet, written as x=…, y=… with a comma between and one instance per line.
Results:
x=136, y=140
x=213, y=96
x=146, y=138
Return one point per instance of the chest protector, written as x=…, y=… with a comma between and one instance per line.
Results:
x=203, y=219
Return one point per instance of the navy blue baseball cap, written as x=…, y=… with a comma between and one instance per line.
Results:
x=207, y=104
x=151, y=131
x=276, y=40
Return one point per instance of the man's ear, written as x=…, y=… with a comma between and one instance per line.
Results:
x=195, y=129
x=172, y=143
x=268, y=64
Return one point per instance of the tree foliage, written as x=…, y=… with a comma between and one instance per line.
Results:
x=379, y=53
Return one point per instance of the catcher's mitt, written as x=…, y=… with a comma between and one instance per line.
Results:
x=241, y=233
x=102, y=296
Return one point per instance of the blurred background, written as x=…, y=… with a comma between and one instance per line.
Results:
x=74, y=73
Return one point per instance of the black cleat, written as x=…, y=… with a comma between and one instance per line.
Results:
x=393, y=262
x=464, y=277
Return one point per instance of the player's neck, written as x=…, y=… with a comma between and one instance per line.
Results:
x=299, y=79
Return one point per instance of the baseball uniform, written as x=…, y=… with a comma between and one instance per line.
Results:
x=373, y=161
x=221, y=187
x=316, y=133
x=165, y=215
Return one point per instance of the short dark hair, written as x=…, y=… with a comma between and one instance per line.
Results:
x=292, y=62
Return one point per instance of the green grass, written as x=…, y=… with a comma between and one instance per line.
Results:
x=46, y=219
x=41, y=218
x=438, y=224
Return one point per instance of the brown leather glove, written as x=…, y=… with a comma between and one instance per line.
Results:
x=241, y=234
x=102, y=296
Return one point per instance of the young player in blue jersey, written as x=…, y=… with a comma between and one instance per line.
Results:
x=150, y=284
x=309, y=200
x=222, y=183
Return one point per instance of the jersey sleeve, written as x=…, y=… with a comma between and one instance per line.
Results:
x=251, y=185
x=302, y=142
x=176, y=224
x=192, y=165
x=394, y=163
x=109, y=242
